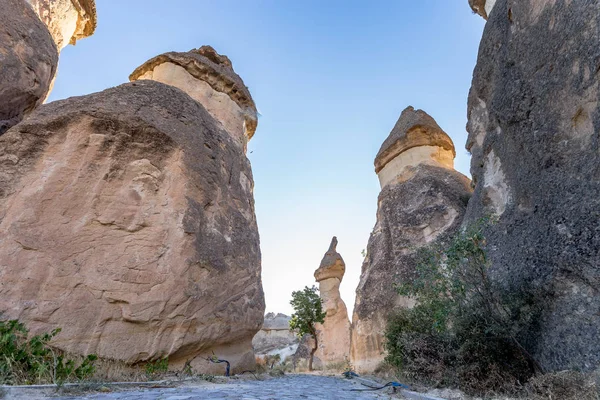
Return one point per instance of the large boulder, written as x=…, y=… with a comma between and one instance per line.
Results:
x=534, y=122
x=127, y=219
x=28, y=62
x=423, y=199
x=334, y=333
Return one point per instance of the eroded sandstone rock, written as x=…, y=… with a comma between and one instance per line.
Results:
x=275, y=337
x=334, y=333
x=208, y=77
x=423, y=199
x=420, y=140
x=482, y=7
x=534, y=121
x=127, y=219
x=28, y=61
x=67, y=20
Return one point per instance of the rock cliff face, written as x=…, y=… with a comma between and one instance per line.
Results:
x=127, y=218
x=534, y=121
x=275, y=337
x=334, y=333
x=28, y=62
x=422, y=199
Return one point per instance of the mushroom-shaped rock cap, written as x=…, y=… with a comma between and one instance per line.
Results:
x=213, y=68
x=332, y=265
x=482, y=7
x=414, y=128
x=88, y=19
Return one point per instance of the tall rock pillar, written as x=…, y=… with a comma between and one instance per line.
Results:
x=127, y=219
x=422, y=199
x=534, y=126
x=334, y=333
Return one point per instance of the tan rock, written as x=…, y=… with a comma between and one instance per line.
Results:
x=207, y=77
x=422, y=200
x=67, y=20
x=127, y=219
x=482, y=7
x=28, y=62
x=416, y=139
x=334, y=333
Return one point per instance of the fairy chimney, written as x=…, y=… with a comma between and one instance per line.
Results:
x=208, y=78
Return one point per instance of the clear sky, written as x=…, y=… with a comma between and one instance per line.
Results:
x=329, y=77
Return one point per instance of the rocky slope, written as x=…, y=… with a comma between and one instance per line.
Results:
x=422, y=199
x=127, y=219
x=275, y=337
x=534, y=120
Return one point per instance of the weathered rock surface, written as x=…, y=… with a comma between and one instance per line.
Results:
x=420, y=140
x=423, y=200
x=66, y=20
x=275, y=337
x=534, y=122
x=482, y=7
x=334, y=333
x=127, y=219
x=208, y=77
x=28, y=61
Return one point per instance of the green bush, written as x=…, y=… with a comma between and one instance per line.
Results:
x=464, y=331
x=32, y=360
x=156, y=368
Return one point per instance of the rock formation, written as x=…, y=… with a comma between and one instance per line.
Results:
x=29, y=60
x=31, y=34
x=334, y=333
x=127, y=219
x=208, y=78
x=422, y=199
x=534, y=121
x=275, y=337
x=67, y=20
x=482, y=7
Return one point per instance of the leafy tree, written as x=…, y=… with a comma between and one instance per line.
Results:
x=308, y=308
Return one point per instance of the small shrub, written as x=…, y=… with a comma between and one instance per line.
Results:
x=32, y=360
x=155, y=368
x=464, y=331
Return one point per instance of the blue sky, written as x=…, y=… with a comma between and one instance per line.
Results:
x=330, y=79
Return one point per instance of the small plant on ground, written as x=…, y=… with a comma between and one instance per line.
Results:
x=464, y=331
x=155, y=368
x=31, y=360
x=308, y=311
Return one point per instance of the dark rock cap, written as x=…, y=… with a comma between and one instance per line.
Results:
x=213, y=68
x=332, y=265
x=414, y=128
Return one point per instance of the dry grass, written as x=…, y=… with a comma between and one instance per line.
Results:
x=565, y=385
